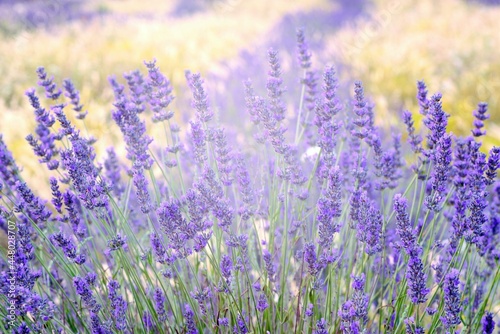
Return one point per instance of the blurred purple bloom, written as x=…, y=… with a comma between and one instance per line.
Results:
x=304, y=54
x=200, y=99
x=488, y=323
x=223, y=157
x=112, y=173
x=189, y=319
x=51, y=91
x=275, y=88
x=330, y=208
x=481, y=116
x=311, y=258
x=262, y=303
x=199, y=142
x=423, y=102
x=74, y=95
x=226, y=266
x=142, y=192
x=159, y=298
x=414, y=139
x=321, y=327
x=269, y=265
x=159, y=92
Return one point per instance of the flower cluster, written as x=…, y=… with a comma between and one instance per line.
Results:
x=302, y=216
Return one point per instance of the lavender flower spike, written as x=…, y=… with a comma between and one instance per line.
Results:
x=200, y=100
x=423, y=102
x=304, y=54
x=488, y=323
x=51, y=91
x=403, y=225
x=274, y=87
x=451, y=297
x=481, y=116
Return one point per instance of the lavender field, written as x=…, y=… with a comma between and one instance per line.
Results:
x=249, y=167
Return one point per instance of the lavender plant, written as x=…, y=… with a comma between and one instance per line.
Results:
x=311, y=220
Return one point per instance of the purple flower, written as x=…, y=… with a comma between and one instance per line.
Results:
x=461, y=169
x=493, y=165
x=199, y=142
x=414, y=139
x=451, y=297
x=51, y=91
x=304, y=54
x=8, y=168
x=143, y=197
x=488, y=323
x=32, y=205
x=22, y=329
x=42, y=116
x=223, y=157
x=403, y=225
x=328, y=128
x=416, y=278
x=262, y=303
x=157, y=247
x=348, y=320
x=56, y=194
x=436, y=121
x=67, y=246
x=97, y=326
x=369, y=224
x=245, y=188
x=321, y=327
x=73, y=207
x=310, y=310
x=159, y=93
x=411, y=328
x=275, y=88
x=250, y=102
x=200, y=99
x=138, y=90
x=133, y=129
x=83, y=289
x=118, y=306
x=360, y=109
x=226, y=266
x=423, y=102
x=240, y=327
x=311, y=258
x=223, y=322
x=440, y=173
x=74, y=95
x=330, y=208
x=117, y=242
x=189, y=319
x=112, y=173
x=147, y=320
x=270, y=268
x=79, y=163
x=481, y=116
x=159, y=299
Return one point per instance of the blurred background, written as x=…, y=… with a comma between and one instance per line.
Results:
x=453, y=45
